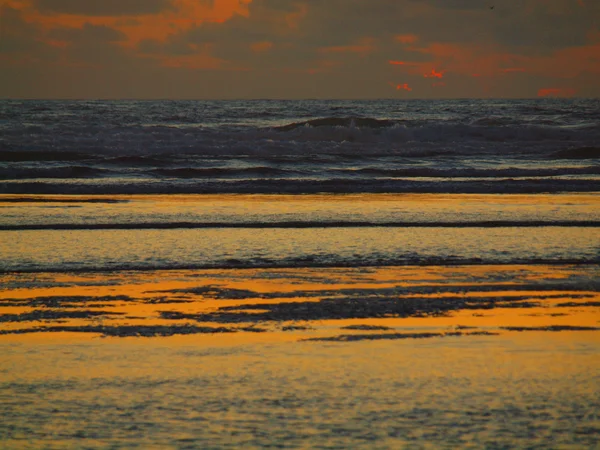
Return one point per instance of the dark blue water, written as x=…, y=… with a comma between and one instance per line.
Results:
x=477, y=146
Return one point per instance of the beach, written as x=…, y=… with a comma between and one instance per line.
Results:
x=447, y=357
x=195, y=275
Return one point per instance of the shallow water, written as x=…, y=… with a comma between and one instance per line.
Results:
x=444, y=367
x=58, y=233
x=483, y=392
x=160, y=249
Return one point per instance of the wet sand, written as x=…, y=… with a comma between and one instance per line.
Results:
x=418, y=357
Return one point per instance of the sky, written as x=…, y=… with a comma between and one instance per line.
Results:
x=346, y=49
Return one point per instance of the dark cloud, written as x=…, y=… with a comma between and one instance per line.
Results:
x=20, y=39
x=102, y=7
x=16, y=35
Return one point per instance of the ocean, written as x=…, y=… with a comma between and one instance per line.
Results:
x=300, y=274
x=456, y=162
x=299, y=147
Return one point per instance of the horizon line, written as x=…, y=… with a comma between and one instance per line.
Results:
x=234, y=99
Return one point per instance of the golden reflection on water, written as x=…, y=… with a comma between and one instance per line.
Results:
x=150, y=293
x=404, y=394
x=517, y=389
x=365, y=207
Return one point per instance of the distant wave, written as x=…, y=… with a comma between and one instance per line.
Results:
x=357, y=122
x=52, y=172
x=303, y=225
x=43, y=155
x=306, y=186
x=318, y=136
x=352, y=129
x=190, y=172
x=179, y=118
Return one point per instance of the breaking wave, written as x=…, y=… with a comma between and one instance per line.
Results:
x=352, y=122
x=42, y=155
x=351, y=129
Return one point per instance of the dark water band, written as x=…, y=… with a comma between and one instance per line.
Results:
x=302, y=224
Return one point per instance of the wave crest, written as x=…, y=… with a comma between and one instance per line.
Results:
x=351, y=122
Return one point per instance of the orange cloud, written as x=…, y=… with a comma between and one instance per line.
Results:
x=17, y=4
x=323, y=66
x=469, y=59
x=402, y=63
x=417, y=68
x=182, y=16
x=263, y=46
x=492, y=61
x=57, y=44
x=568, y=63
x=556, y=92
x=400, y=87
x=406, y=38
x=434, y=74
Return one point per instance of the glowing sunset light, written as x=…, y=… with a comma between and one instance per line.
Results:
x=401, y=87
x=434, y=74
